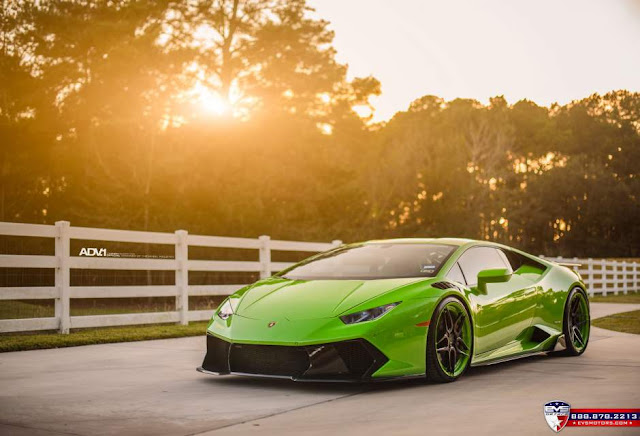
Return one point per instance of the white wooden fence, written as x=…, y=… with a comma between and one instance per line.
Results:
x=601, y=276
x=604, y=276
x=63, y=262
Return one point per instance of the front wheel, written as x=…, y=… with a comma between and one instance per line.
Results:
x=576, y=323
x=449, y=341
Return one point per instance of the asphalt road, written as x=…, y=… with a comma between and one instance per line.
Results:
x=152, y=388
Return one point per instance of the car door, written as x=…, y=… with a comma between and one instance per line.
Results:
x=505, y=310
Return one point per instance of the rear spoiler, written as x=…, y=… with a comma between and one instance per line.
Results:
x=568, y=264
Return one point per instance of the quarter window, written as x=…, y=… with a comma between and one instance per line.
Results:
x=455, y=274
x=517, y=260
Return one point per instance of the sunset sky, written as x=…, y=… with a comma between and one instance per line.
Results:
x=546, y=51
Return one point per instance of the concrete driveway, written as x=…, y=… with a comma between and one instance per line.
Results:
x=152, y=388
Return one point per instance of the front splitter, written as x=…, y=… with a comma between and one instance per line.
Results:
x=312, y=380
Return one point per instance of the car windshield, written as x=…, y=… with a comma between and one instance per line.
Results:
x=373, y=261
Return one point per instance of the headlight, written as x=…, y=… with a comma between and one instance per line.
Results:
x=227, y=308
x=368, y=315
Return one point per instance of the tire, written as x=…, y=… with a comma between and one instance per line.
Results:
x=449, y=341
x=576, y=323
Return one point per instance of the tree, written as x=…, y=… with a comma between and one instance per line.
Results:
x=26, y=150
x=234, y=117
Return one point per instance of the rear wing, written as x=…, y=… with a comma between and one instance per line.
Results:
x=569, y=264
x=572, y=266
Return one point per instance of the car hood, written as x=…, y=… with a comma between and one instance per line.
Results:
x=312, y=299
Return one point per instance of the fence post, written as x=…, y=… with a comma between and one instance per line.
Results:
x=63, y=276
x=604, y=275
x=635, y=276
x=624, y=277
x=336, y=243
x=590, y=280
x=182, y=276
x=265, y=256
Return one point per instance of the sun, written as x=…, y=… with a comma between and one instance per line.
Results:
x=212, y=103
x=209, y=101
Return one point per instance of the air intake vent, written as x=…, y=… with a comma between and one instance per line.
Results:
x=268, y=359
x=217, y=358
x=539, y=335
x=445, y=285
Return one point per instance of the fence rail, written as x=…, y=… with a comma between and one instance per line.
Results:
x=601, y=276
x=62, y=261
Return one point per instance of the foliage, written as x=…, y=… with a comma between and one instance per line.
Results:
x=233, y=117
x=561, y=181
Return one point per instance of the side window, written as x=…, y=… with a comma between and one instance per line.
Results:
x=515, y=260
x=455, y=274
x=476, y=259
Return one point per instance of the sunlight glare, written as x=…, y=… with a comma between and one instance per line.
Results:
x=363, y=110
x=325, y=128
x=210, y=101
x=325, y=97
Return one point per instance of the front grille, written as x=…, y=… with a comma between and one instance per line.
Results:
x=354, y=359
x=268, y=359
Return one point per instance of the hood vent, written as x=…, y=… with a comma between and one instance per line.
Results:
x=445, y=285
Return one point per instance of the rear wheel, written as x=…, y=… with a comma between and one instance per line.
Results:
x=449, y=341
x=577, y=322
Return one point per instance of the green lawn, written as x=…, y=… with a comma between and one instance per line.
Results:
x=20, y=342
x=627, y=322
x=15, y=309
x=631, y=297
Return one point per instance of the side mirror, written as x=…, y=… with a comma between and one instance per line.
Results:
x=496, y=275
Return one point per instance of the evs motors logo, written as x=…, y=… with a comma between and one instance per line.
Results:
x=557, y=414
x=93, y=252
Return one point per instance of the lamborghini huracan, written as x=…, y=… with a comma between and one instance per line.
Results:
x=389, y=309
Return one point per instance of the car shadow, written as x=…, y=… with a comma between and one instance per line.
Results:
x=338, y=388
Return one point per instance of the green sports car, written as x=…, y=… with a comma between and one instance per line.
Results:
x=389, y=309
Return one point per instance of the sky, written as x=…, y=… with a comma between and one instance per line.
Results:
x=545, y=51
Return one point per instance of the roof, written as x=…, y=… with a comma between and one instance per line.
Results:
x=448, y=241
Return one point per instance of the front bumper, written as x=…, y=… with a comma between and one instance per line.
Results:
x=351, y=360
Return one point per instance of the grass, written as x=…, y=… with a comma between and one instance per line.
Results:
x=631, y=297
x=12, y=309
x=21, y=342
x=627, y=322
x=16, y=309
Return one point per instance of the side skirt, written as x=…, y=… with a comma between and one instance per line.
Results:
x=507, y=358
x=550, y=344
